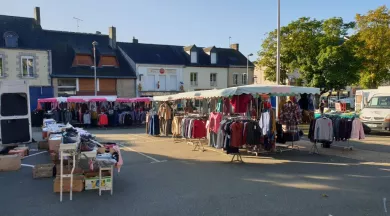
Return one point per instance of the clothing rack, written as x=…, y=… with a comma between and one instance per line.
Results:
x=197, y=143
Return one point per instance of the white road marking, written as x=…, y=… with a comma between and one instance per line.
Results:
x=34, y=154
x=384, y=204
x=28, y=165
x=154, y=160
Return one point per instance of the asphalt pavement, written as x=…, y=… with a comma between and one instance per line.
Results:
x=163, y=177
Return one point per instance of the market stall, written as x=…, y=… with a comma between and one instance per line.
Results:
x=98, y=111
x=243, y=116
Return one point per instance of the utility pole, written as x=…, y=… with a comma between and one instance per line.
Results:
x=278, y=60
x=78, y=22
x=229, y=40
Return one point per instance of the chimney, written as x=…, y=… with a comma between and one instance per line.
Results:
x=98, y=33
x=135, y=40
x=37, y=15
x=112, y=37
x=235, y=46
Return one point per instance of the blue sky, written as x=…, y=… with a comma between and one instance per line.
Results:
x=184, y=22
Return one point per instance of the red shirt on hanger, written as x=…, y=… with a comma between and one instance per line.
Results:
x=199, y=129
x=240, y=102
x=237, y=133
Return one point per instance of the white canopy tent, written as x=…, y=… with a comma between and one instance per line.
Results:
x=274, y=90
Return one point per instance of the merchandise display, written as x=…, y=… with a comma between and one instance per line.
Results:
x=240, y=117
x=78, y=159
x=108, y=111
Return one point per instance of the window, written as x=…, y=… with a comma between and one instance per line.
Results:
x=1, y=66
x=9, y=107
x=82, y=60
x=108, y=61
x=213, y=79
x=27, y=66
x=194, y=79
x=235, y=79
x=67, y=87
x=11, y=39
x=244, y=79
x=213, y=58
x=379, y=102
x=194, y=57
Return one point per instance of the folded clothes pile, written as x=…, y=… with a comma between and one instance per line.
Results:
x=69, y=136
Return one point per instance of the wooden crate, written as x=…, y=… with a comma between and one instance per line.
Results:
x=43, y=171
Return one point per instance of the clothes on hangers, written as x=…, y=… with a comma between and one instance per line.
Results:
x=102, y=120
x=357, y=131
x=87, y=118
x=323, y=129
x=240, y=103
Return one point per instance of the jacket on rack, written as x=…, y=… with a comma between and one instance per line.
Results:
x=290, y=114
x=323, y=129
x=357, y=131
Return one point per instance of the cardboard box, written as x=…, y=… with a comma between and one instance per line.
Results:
x=54, y=142
x=44, y=134
x=21, y=151
x=43, y=145
x=10, y=162
x=78, y=184
x=43, y=171
x=92, y=174
x=94, y=183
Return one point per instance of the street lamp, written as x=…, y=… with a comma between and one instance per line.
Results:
x=247, y=68
x=94, y=44
x=278, y=60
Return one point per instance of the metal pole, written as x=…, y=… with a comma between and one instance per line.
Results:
x=278, y=48
x=278, y=60
x=247, y=71
x=94, y=59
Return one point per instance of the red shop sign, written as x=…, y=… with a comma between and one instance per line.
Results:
x=162, y=71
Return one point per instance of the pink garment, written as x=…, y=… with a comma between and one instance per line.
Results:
x=120, y=162
x=357, y=131
x=215, y=120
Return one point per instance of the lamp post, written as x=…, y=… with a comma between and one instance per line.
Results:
x=94, y=44
x=278, y=60
x=247, y=68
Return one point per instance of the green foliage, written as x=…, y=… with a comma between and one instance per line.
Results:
x=326, y=57
x=374, y=46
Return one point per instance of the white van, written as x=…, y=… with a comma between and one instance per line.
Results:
x=376, y=114
x=15, y=117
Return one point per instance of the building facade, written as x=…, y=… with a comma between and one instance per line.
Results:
x=23, y=55
x=203, y=78
x=74, y=58
x=159, y=68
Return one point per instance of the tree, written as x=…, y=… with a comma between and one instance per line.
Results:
x=316, y=49
x=374, y=46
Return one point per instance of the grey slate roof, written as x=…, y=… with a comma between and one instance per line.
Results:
x=177, y=55
x=153, y=53
x=65, y=45
x=30, y=34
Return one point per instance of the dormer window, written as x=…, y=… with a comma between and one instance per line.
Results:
x=213, y=57
x=194, y=57
x=82, y=60
x=212, y=53
x=192, y=51
x=108, y=61
x=11, y=39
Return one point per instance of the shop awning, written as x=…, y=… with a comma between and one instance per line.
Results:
x=47, y=100
x=134, y=100
x=96, y=98
x=76, y=100
x=275, y=90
